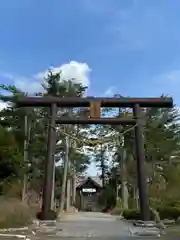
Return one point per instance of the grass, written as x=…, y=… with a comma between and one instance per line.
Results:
x=13, y=213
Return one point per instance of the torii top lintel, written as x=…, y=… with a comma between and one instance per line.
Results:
x=85, y=102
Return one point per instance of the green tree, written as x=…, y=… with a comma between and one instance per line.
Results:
x=55, y=85
x=161, y=132
x=11, y=159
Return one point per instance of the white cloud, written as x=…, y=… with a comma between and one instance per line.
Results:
x=2, y=105
x=72, y=70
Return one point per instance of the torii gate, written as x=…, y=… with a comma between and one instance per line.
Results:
x=95, y=105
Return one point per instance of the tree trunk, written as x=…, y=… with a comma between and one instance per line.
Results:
x=68, y=191
x=126, y=196
x=137, y=198
x=102, y=166
x=74, y=188
x=66, y=162
x=24, y=187
x=53, y=190
x=74, y=173
x=124, y=189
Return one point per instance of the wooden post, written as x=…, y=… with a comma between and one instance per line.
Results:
x=95, y=109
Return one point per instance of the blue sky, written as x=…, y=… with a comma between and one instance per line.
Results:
x=131, y=47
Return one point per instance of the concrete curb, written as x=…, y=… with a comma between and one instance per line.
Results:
x=144, y=232
x=15, y=236
x=13, y=229
x=37, y=226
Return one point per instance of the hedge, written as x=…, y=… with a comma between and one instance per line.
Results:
x=169, y=212
x=164, y=213
x=116, y=211
x=132, y=214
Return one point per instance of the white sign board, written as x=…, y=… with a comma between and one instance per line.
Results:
x=89, y=190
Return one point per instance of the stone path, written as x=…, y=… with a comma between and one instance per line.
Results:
x=98, y=226
x=90, y=224
x=80, y=226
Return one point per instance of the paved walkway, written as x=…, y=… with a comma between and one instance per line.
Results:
x=80, y=226
x=98, y=226
x=90, y=224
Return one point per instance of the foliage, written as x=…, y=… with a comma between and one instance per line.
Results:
x=14, y=213
x=164, y=213
x=118, y=203
x=169, y=212
x=162, y=141
x=118, y=207
x=36, y=136
x=107, y=198
x=117, y=211
x=131, y=214
x=161, y=135
x=10, y=157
